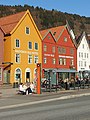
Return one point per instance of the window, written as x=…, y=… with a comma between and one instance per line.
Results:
x=18, y=74
x=17, y=43
x=45, y=48
x=18, y=58
x=82, y=55
x=53, y=61
x=63, y=50
x=83, y=46
x=45, y=60
x=60, y=61
x=72, y=62
x=36, y=59
x=85, y=63
x=48, y=37
x=36, y=46
x=64, y=61
x=71, y=51
x=85, y=55
x=65, y=39
x=79, y=54
x=29, y=58
x=79, y=63
x=53, y=49
x=27, y=30
x=30, y=45
x=59, y=50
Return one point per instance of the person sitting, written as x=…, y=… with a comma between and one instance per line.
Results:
x=28, y=90
x=22, y=89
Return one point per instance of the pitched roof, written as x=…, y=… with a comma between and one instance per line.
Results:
x=8, y=23
x=79, y=39
x=55, y=31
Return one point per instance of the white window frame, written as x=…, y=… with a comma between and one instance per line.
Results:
x=37, y=46
x=20, y=74
x=35, y=59
x=26, y=30
x=65, y=39
x=31, y=45
x=18, y=59
x=29, y=59
x=17, y=44
x=60, y=61
x=54, y=61
x=45, y=60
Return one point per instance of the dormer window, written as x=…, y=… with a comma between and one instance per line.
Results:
x=27, y=30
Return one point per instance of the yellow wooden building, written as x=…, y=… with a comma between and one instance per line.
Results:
x=22, y=47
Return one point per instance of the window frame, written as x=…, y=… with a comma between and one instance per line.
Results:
x=30, y=59
x=29, y=45
x=35, y=59
x=35, y=46
x=17, y=59
x=26, y=30
x=17, y=45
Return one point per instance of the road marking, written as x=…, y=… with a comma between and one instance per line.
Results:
x=42, y=101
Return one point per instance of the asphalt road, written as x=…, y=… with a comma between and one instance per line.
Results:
x=69, y=109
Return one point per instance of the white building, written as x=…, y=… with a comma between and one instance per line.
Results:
x=83, y=55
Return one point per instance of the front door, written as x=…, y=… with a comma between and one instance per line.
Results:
x=27, y=76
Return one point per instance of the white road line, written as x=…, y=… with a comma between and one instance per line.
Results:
x=42, y=101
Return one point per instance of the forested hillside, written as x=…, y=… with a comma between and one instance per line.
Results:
x=45, y=18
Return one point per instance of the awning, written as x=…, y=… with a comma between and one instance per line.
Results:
x=65, y=70
x=61, y=70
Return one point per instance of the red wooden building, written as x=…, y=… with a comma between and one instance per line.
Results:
x=59, y=56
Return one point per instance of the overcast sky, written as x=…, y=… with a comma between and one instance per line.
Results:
x=80, y=7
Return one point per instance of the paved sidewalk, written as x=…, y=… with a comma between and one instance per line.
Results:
x=13, y=92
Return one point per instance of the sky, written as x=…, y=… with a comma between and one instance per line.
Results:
x=80, y=7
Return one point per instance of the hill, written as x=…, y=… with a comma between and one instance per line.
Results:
x=45, y=18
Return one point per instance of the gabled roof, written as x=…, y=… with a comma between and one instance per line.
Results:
x=78, y=41
x=44, y=33
x=55, y=31
x=8, y=23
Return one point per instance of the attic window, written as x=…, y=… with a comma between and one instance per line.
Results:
x=48, y=37
x=27, y=30
x=54, y=33
x=65, y=39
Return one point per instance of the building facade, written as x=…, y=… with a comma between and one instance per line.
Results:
x=22, y=47
x=83, y=55
x=59, y=53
